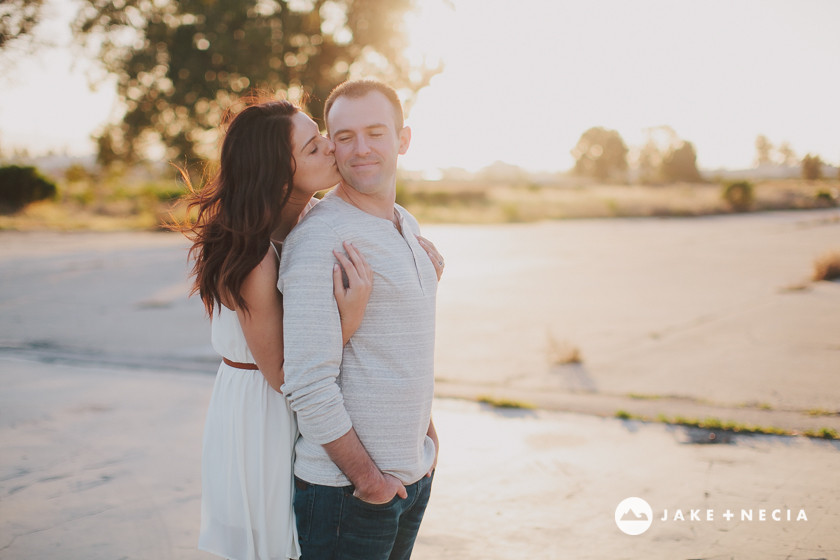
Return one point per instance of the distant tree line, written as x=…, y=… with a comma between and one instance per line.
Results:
x=767, y=154
x=601, y=153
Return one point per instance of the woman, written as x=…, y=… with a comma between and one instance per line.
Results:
x=273, y=160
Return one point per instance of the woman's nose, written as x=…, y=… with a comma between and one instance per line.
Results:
x=330, y=146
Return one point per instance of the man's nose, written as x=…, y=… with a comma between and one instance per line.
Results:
x=362, y=147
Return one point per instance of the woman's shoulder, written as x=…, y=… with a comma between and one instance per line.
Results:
x=266, y=271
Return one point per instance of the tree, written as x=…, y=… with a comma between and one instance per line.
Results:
x=648, y=160
x=17, y=19
x=787, y=156
x=180, y=65
x=600, y=153
x=680, y=164
x=811, y=167
x=763, y=151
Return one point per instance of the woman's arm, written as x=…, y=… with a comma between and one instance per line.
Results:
x=263, y=326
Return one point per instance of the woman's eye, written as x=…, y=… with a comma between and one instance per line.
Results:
x=315, y=149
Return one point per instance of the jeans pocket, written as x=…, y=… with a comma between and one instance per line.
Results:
x=358, y=502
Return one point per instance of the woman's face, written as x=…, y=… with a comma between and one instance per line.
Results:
x=315, y=168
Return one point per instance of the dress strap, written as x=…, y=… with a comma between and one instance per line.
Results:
x=276, y=252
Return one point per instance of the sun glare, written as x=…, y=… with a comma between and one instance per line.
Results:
x=522, y=82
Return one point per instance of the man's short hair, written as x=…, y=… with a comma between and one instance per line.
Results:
x=359, y=88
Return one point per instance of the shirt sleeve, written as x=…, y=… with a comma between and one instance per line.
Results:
x=312, y=332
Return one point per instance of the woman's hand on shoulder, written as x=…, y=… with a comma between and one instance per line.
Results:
x=434, y=255
x=352, y=284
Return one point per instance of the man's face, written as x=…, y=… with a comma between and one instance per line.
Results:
x=367, y=142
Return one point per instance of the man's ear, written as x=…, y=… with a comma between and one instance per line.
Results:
x=405, y=139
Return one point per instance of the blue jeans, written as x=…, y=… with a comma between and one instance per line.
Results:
x=334, y=524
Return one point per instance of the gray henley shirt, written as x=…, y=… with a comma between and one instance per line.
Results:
x=382, y=383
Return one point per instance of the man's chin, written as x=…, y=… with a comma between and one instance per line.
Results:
x=364, y=187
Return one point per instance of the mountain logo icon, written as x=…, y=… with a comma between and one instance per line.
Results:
x=633, y=516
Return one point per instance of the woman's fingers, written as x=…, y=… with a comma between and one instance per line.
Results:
x=356, y=269
x=359, y=261
x=338, y=283
x=362, y=266
x=434, y=255
x=349, y=269
x=431, y=250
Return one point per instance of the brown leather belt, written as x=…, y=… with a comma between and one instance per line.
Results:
x=240, y=365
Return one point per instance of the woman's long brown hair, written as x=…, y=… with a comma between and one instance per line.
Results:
x=238, y=209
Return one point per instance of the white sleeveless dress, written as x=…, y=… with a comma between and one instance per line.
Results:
x=247, y=461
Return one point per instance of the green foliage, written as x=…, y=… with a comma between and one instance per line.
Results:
x=180, y=65
x=826, y=197
x=76, y=173
x=168, y=191
x=811, y=167
x=680, y=164
x=600, y=153
x=739, y=195
x=505, y=403
x=21, y=185
x=823, y=433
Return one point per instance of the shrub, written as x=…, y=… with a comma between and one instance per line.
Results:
x=827, y=267
x=163, y=191
x=76, y=173
x=739, y=195
x=826, y=197
x=21, y=185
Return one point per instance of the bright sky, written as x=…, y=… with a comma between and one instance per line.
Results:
x=522, y=85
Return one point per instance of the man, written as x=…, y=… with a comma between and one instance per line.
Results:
x=366, y=455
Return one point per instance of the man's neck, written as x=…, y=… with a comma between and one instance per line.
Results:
x=379, y=205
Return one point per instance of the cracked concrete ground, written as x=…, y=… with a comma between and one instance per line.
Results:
x=105, y=369
x=103, y=463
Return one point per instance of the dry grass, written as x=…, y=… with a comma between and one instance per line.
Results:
x=505, y=403
x=109, y=205
x=716, y=424
x=118, y=203
x=473, y=202
x=827, y=267
x=562, y=352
